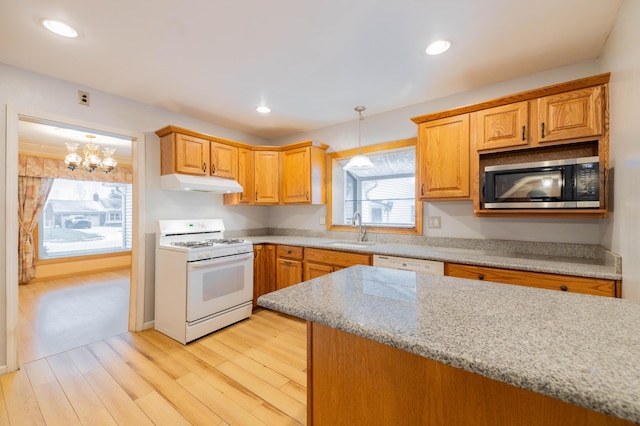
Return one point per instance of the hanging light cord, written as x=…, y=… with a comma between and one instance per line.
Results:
x=360, y=118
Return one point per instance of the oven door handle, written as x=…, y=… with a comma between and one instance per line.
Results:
x=219, y=261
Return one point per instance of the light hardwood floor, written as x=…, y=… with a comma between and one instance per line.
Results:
x=252, y=372
x=80, y=366
x=61, y=314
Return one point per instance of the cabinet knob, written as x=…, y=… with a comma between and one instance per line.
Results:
x=564, y=288
x=481, y=277
x=288, y=251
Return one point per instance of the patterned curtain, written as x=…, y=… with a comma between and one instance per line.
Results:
x=32, y=194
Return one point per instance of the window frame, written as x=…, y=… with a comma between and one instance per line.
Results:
x=373, y=149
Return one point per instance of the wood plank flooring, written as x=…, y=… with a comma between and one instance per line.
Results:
x=61, y=314
x=250, y=373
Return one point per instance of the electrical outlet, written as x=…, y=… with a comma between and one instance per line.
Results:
x=323, y=220
x=84, y=98
x=434, y=222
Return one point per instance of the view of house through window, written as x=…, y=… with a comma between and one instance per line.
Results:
x=384, y=196
x=85, y=217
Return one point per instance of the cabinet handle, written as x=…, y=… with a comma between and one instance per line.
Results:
x=256, y=195
x=213, y=169
x=523, y=131
x=481, y=277
x=564, y=288
x=255, y=254
x=542, y=131
x=307, y=195
x=422, y=190
x=288, y=251
x=241, y=194
x=204, y=167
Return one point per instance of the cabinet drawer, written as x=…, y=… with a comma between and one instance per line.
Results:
x=338, y=258
x=569, y=283
x=290, y=252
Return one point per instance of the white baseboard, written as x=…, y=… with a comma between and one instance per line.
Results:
x=3, y=370
x=148, y=325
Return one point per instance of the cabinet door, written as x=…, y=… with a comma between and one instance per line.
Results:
x=503, y=126
x=288, y=273
x=443, y=157
x=192, y=155
x=224, y=160
x=267, y=177
x=296, y=175
x=570, y=115
x=315, y=270
x=569, y=283
x=245, y=179
x=259, y=273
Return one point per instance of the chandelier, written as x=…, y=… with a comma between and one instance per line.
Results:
x=91, y=160
x=360, y=161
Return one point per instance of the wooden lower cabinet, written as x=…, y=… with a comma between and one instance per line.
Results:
x=264, y=270
x=288, y=265
x=356, y=381
x=595, y=286
x=319, y=262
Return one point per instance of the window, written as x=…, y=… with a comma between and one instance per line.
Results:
x=384, y=196
x=84, y=218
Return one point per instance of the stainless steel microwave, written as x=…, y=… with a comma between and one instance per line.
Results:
x=559, y=184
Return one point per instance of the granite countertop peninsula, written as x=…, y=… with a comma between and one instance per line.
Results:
x=547, y=257
x=578, y=348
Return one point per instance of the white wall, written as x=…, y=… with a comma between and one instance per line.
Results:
x=621, y=58
x=26, y=91
x=457, y=217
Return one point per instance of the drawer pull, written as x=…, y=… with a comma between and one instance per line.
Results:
x=564, y=288
x=542, y=131
x=288, y=251
x=481, y=277
x=523, y=131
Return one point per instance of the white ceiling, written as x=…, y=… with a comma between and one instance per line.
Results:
x=312, y=62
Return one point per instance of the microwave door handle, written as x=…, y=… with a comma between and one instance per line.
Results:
x=219, y=261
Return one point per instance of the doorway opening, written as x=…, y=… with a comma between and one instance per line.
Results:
x=123, y=285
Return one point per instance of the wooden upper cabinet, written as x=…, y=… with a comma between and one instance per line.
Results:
x=245, y=179
x=443, y=158
x=304, y=175
x=570, y=115
x=267, y=177
x=184, y=154
x=224, y=161
x=503, y=126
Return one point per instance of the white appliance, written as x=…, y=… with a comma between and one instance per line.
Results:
x=432, y=267
x=204, y=282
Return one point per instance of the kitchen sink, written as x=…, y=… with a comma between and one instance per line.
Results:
x=351, y=244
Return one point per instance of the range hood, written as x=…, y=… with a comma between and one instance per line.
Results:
x=179, y=182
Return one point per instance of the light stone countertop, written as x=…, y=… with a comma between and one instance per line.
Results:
x=607, y=267
x=578, y=348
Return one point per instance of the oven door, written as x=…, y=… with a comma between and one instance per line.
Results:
x=215, y=285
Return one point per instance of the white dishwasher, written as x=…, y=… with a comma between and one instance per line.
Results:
x=432, y=267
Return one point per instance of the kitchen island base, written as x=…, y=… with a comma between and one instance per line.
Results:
x=354, y=380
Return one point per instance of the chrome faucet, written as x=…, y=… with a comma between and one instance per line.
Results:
x=362, y=231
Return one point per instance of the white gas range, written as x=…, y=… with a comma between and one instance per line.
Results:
x=204, y=282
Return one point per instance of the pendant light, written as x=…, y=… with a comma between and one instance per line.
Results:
x=360, y=161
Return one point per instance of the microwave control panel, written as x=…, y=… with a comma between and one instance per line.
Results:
x=588, y=181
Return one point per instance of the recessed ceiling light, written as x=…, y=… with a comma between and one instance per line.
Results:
x=59, y=28
x=438, y=47
x=263, y=109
